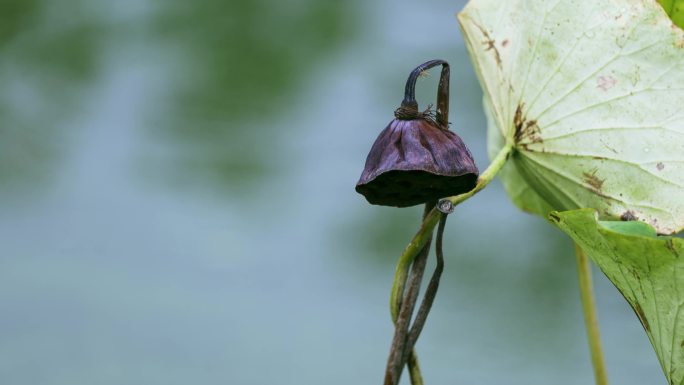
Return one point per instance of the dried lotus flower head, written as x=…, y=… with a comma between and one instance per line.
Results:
x=416, y=159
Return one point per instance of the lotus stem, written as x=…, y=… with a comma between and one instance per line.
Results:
x=419, y=245
x=590, y=316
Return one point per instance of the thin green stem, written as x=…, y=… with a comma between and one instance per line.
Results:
x=428, y=225
x=590, y=317
x=395, y=361
x=419, y=322
x=401, y=273
x=414, y=369
x=398, y=356
x=431, y=291
x=419, y=241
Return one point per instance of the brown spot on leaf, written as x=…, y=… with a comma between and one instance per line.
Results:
x=660, y=166
x=532, y=132
x=504, y=43
x=490, y=44
x=524, y=128
x=628, y=216
x=642, y=317
x=592, y=180
x=518, y=123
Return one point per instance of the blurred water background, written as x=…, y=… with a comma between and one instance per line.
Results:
x=177, y=205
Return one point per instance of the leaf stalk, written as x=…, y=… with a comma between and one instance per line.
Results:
x=590, y=316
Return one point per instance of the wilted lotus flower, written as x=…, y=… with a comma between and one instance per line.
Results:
x=416, y=159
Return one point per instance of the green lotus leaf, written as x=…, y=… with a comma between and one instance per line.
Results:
x=591, y=94
x=649, y=272
x=674, y=8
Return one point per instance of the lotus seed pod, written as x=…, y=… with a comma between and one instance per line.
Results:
x=416, y=159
